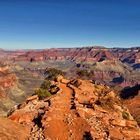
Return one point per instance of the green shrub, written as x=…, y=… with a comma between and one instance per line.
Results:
x=83, y=73
x=46, y=89
x=42, y=93
x=52, y=73
x=46, y=84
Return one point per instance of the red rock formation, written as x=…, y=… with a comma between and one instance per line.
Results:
x=79, y=110
x=12, y=131
x=131, y=98
x=7, y=80
x=90, y=54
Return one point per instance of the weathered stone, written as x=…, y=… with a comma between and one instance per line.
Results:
x=34, y=97
x=118, y=122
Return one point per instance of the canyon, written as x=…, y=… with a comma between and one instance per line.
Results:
x=96, y=98
x=115, y=65
x=79, y=110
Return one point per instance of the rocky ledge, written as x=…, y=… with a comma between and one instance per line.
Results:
x=79, y=110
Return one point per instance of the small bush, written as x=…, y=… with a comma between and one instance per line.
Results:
x=84, y=73
x=52, y=73
x=46, y=84
x=42, y=93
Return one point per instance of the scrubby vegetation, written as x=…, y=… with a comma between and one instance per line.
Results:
x=46, y=84
x=105, y=103
x=52, y=73
x=43, y=91
x=46, y=89
x=107, y=98
x=84, y=73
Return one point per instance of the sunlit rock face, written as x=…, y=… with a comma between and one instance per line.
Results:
x=80, y=109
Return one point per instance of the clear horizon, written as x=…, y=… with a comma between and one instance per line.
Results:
x=39, y=24
x=18, y=49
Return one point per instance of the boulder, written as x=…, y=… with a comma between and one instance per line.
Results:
x=119, y=122
x=34, y=97
x=65, y=81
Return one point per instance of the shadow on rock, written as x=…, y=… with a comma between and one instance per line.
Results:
x=130, y=92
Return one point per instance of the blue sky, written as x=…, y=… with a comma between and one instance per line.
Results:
x=27, y=24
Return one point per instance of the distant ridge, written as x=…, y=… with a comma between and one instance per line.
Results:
x=94, y=47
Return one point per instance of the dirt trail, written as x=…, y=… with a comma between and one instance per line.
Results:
x=80, y=110
x=63, y=121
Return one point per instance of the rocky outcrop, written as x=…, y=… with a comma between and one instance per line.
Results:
x=30, y=114
x=7, y=80
x=131, y=98
x=130, y=55
x=12, y=131
x=79, y=110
